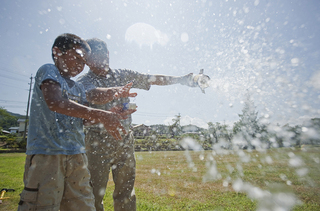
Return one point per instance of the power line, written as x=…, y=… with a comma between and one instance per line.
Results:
x=9, y=71
x=13, y=106
x=14, y=87
x=12, y=101
x=11, y=78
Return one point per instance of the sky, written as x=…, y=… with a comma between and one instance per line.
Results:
x=267, y=48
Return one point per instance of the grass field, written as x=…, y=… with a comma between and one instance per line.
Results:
x=284, y=178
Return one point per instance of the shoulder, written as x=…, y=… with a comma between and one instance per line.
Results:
x=48, y=68
x=47, y=72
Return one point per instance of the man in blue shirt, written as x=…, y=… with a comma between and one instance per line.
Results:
x=56, y=170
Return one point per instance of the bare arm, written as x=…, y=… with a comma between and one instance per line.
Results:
x=163, y=80
x=117, y=110
x=101, y=96
x=52, y=95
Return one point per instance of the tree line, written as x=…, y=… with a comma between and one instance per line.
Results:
x=249, y=132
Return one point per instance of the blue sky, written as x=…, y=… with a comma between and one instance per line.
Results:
x=268, y=48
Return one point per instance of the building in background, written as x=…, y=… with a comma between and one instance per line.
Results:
x=20, y=128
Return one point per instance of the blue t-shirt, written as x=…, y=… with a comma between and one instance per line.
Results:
x=49, y=132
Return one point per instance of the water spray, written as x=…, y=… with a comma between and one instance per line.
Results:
x=201, y=80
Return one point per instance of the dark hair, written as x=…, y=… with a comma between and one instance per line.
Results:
x=97, y=45
x=99, y=51
x=68, y=41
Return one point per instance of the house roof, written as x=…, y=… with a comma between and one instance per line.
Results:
x=21, y=120
x=141, y=126
x=5, y=131
x=14, y=128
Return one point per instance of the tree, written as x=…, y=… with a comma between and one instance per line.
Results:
x=264, y=134
x=218, y=133
x=296, y=130
x=175, y=128
x=7, y=120
x=213, y=130
x=226, y=133
x=248, y=125
x=314, y=131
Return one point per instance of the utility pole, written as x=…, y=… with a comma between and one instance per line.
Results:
x=26, y=122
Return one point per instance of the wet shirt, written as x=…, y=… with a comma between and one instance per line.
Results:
x=49, y=132
x=115, y=78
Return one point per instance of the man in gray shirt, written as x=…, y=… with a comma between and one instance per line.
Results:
x=103, y=151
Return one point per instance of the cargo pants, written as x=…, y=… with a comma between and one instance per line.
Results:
x=105, y=154
x=56, y=182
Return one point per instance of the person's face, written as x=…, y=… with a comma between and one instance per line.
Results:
x=71, y=62
x=99, y=64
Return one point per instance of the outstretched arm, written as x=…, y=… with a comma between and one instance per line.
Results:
x=51, y=91
x=163, y=80
x=101, y=96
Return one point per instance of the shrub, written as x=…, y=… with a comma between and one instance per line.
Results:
x=3, y=138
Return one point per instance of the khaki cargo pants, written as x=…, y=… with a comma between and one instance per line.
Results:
x=105, y=153
x=54, y=182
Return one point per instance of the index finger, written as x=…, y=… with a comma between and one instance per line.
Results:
x=134, y=94
x=128, y=85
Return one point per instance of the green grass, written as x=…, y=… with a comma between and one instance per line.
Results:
x=166, y=180
x=11, y=177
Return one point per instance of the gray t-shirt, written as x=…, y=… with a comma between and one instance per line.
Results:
x=115, y=78
x=49, y=132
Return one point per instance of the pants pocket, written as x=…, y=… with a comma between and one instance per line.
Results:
x=28, y=198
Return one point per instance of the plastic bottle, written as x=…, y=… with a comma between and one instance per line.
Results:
x=201, y=80
x=127, y=106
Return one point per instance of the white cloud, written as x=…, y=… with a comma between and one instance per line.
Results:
x=187, y=120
